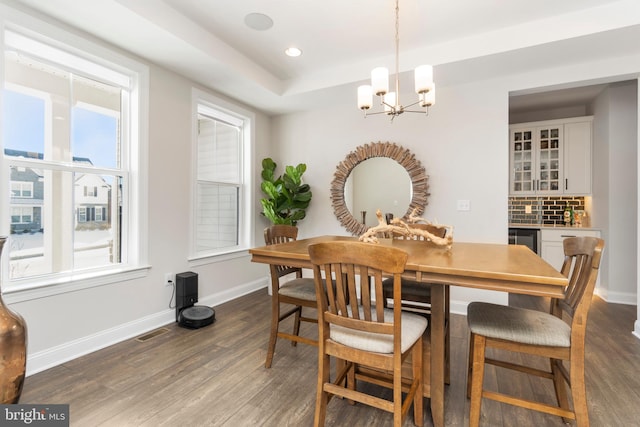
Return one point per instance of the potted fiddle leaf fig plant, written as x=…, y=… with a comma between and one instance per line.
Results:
x=287, y=197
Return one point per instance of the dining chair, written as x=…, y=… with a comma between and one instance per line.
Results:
x=416, y=295
x=558, y=335
x=299, y=292
x=369, y=341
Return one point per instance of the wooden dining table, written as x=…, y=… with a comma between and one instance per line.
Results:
x=489, y=266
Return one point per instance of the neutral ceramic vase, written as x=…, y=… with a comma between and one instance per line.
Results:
x=13, y=351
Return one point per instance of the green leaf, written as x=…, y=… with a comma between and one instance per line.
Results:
x=298, y=215
x=293, y=174
x=268, y=211
x=287, y=197
x=303, y=197
x=270, y=189
x=268, y=169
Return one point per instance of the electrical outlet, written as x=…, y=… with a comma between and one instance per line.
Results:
x=168, y=279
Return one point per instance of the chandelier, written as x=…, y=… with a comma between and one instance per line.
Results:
x=390, y=101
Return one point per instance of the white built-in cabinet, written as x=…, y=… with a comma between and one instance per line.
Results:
x=551, y=157
x=551, y=249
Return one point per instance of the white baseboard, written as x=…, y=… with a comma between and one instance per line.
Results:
x=636, y=329
x=626, y=298
x=45, y=359
x=458, y=307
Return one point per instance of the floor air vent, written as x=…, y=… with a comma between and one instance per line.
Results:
x=152, y=334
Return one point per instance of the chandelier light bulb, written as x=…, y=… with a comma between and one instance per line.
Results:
x=423, y=78
x=365, y=97
x=380, y=80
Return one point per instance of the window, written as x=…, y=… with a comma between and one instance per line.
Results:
x=70, y=127
x=98, y=213
x=91, y=191
x=21, y=189
x=22, y=215
x=222, y=143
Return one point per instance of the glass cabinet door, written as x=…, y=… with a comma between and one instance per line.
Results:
x=522, y=161
x=549, y=159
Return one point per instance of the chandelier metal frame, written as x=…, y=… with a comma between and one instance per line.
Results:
x=390, y=101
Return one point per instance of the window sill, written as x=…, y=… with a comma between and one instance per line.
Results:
x=210, y=259
x=76, y=282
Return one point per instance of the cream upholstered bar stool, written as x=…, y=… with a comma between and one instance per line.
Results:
x=558, y=336
x=416, y=295
x=299, y=292
x=369, y=340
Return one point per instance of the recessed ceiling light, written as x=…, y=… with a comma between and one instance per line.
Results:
x=293, y=52
x=258, y=21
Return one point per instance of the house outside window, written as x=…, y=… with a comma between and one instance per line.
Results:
x=70, y=126
x=222, y=193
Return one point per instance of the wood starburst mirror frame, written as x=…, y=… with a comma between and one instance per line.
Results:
x=404, y=157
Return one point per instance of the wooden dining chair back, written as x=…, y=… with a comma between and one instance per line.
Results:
x=416, y=295
x=364, y=335
x=299, y=292
x=415, y=291
x=558, y=335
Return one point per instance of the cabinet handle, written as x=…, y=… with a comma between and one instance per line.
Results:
x=567, y=235
x=566, y=183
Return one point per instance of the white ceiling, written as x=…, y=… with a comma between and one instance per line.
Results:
x=342, y=40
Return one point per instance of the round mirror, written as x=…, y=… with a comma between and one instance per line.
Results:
x=368, y=189
x=375, y=176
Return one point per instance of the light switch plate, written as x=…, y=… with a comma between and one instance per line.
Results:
x=464, y=205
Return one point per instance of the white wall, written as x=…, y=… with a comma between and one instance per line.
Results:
x=615, y=193
x=600, y=179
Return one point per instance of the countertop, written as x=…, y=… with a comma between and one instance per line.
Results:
x=552, y=227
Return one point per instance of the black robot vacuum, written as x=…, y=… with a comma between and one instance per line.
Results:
x=189, y=315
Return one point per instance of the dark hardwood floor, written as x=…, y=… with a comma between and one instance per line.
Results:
x=215, y=376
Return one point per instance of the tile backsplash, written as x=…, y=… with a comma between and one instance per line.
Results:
x=543, y=209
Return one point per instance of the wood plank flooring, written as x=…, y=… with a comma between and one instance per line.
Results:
x=215, y=376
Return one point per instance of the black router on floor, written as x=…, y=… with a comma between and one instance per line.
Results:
x=189, y=315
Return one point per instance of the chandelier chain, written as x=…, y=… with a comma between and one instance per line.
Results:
x=397, y=51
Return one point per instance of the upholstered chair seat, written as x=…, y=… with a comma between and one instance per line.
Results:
x=413, y=326
x=518, y=325
x=302, y=288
